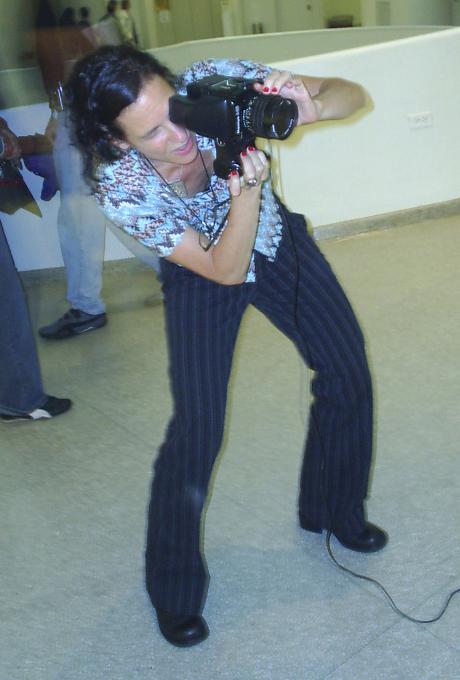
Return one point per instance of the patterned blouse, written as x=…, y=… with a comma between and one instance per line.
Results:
x=139, y=202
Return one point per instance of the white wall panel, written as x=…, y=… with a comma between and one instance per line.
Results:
x=371, y=164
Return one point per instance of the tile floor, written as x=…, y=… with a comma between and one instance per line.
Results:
x=73, y=491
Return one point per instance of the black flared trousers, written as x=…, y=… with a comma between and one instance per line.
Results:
x=299, y=293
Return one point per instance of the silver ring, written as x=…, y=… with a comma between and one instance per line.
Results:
x=252, y=182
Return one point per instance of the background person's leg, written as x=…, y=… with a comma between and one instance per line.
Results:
x=81, y=226
x=21, y=389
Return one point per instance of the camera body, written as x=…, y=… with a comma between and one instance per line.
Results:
x=229, y=110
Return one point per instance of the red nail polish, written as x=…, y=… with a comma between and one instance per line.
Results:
x=244, y=153
x=266, y=89
x=233, y=173
x=251, y=148
x=274, y=89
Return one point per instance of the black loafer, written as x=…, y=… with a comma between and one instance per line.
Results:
x=182, y=630
x=371, y=539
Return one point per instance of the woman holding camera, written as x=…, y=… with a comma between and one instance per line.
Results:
x=225, y=244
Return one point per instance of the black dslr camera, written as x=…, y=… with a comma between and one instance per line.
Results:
x=229, y=111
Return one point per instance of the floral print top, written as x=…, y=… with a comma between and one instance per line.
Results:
x=139, y=202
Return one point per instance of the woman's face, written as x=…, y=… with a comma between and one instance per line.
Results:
x=146, y=127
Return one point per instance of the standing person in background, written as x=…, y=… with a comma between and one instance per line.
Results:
x=111, y=9
x=81, y=228
x=81, y=225
x=126, y=23
x=22, y=396
x=84, y=24
x=73, y=42
x=107, y=29
x=67, y=17
x=84, y=21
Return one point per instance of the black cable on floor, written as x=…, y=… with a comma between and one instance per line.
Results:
x=384, y=591
x=340, y=566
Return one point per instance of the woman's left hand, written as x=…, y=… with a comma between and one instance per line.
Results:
x=291, y=86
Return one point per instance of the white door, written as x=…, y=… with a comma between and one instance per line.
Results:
x=193, y=20
x=300, y=15
x=383, y=12
x=259, y=16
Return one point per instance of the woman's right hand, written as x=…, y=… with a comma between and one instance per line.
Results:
x=255, y=171
x=227, y=260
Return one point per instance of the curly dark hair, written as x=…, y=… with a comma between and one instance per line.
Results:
x=100, y=86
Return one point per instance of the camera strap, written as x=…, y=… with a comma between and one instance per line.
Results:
x=178, y=185
x=180, y=195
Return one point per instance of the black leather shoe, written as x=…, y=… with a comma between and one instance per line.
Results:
x=182, y=630
x=371, y=539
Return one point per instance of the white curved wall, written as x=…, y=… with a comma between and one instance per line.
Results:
x=371, y=164
x=24, y=86
x=375, y=163
x=276, y=46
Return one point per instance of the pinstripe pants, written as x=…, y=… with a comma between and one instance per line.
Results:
x=202, y=321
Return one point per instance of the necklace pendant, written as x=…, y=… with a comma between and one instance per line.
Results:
x=179, y=188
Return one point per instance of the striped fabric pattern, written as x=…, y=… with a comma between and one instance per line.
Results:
x=299, y=293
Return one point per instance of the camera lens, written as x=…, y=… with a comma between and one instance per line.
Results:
x=271, y=116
